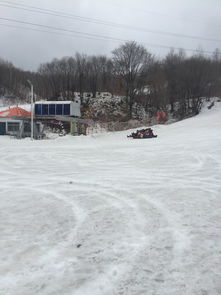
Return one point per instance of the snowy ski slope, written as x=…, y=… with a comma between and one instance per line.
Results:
x=106, y=215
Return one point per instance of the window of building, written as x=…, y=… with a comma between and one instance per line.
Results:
x=59, y=108
x=66, y=109
x=45, y=109
x=52, y=109
x=38, y=109
x=13, y=126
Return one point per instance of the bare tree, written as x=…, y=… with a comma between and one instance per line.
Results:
x=130, y=60
x=155, y=96
x=173, y=71
x=198, y=78
x=177, y=80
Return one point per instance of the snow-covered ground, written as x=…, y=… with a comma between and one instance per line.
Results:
x=106, y=215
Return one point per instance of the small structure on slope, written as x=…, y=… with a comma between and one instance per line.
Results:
x=16, y=122
x=62, y=115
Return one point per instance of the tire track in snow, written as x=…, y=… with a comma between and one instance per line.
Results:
x=130, y=264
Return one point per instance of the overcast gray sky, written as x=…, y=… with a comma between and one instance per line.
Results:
x=27, y=49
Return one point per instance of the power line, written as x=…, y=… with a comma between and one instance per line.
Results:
x=61, y=29
x=87, y=35
x=162, y=14
x=101, y=22
x=115, y=5
x=60, y=33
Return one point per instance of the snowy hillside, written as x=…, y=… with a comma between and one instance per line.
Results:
x=105, y=214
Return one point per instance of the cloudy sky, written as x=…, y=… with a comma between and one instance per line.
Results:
x=36, y=31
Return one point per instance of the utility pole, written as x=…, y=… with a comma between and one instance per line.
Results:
x=32, y=110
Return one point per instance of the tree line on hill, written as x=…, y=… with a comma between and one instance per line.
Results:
x=131, y=71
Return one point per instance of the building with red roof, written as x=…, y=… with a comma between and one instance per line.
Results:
x=16, y=121
x=15, y=112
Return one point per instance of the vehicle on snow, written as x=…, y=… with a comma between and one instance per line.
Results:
x=142, y=134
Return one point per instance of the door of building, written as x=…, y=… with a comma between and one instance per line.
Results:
x=2, y=128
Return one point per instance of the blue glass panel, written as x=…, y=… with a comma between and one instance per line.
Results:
x=66, y=109
x=45, y=109
x=51, y=109
x=59, y=108
x=38, y=109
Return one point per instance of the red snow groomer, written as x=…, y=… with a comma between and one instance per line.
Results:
x=143, y=133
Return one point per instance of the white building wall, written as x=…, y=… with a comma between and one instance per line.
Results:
x=75, y=108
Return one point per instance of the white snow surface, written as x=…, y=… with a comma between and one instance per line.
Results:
x=106, y=214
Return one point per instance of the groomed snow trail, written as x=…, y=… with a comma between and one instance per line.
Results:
x=106, y=215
